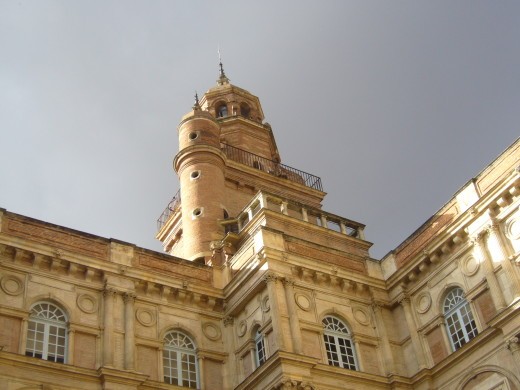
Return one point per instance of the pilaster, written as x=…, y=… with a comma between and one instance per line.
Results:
x=272, y=285
x=481, y=251
x=294, y=322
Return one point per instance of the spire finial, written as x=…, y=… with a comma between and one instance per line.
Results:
x=222, y=76
x=196, y=105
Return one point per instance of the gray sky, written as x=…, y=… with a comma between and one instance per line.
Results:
x=394, y=104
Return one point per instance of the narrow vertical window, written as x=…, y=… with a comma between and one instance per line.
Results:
x=460, y=324
x=260, y=351
x=222, y=111
x=338, y=344
x=180, y=360
x=47, y=333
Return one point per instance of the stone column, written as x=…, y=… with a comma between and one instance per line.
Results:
x=201, y=372
x=445, y=336
x=412, y=327
x=357, y=346
x=388, y=359
x=304, y=214
x=230, y=378
x=491, y=278
x=69, y=357
x=108, y=327
x=513, y=344
x=293, y=316
x=271, y=280
x=495, y=233
x=23, y=336
x=129, y=299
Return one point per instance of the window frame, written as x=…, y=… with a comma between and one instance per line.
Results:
x=458, y=318
x=51, y=324
x=260, y=352
x=336, y=334
x=174, y=356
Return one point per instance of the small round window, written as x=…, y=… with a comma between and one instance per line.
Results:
x=193, y=136
x=194, y=175
x=198, y=212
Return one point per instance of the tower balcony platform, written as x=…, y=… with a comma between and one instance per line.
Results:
x=272, y=167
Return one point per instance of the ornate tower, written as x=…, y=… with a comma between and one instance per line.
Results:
x=227, y=153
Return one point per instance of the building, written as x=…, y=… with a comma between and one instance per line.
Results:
x=262, y=289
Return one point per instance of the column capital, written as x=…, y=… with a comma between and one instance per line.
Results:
x=129, y=297
x=228, y=320
x=288, y=282
x=493, y=227
x=109, y=292
x=285, y=384
x=306, y=386
x=270, y=278
x=376, y=305
x=513, y=344
x=404, y=300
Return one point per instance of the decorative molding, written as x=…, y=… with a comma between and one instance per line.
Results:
x=12, y=285
x=242, y=328
x=145, y=317
x=211, y=331
x=303, y=301
x=87, y=303
x=512, y=229
x=470, y=265
x=266, y=306
x=361, y=316
x=423, y=302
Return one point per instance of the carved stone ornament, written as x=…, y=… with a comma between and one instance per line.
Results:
x=211, y=331
x=303, y=301
x=513, y=229
x=242, y=328
x=513, y=344
x=470, y=265
x=286, y=384
x=306, y=386
x=11, y=285
x=228, y=320
x=423, y=302
x=87, y=303
x=266, y=306
x=361, y=316
x=145, y=317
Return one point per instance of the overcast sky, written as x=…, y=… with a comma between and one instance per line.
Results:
x=394, y=104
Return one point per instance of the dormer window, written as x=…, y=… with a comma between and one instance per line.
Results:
x=222, y=110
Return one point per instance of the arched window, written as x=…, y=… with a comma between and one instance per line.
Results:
x=245, y=111
x=47, y=333
x=260, y=351
x=459, y=320
x=222, y=110
x=180, y=360
x=338, y=343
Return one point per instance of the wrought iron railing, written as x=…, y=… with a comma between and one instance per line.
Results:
x=272, y=167
x=172, y=206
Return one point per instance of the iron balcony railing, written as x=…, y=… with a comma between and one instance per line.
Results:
x=172, y=206
x=272, y=167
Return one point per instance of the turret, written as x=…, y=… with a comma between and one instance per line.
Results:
x=227, y=153
x=200, y=166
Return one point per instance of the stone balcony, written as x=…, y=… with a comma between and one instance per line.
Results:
x=311, y=215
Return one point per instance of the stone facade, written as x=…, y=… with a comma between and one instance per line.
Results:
x=262, y=289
